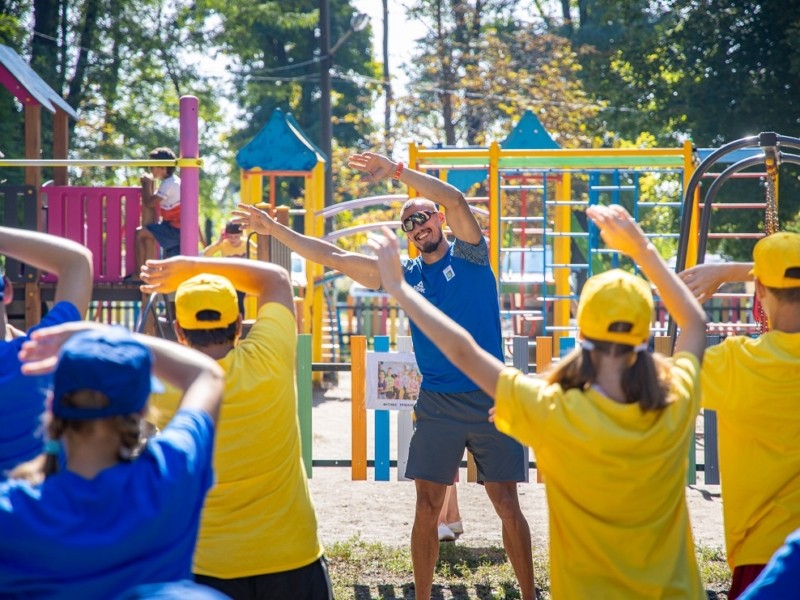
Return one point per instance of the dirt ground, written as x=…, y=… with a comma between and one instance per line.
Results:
x=384, y=511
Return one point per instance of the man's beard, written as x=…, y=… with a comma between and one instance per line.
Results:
x=432, y=245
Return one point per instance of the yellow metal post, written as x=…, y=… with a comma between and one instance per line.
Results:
x=494, y=208
x=561, y=252
x=315, y=301
x=413, y=163
x=694, y=225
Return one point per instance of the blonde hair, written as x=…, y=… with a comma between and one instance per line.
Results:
x=129, y=427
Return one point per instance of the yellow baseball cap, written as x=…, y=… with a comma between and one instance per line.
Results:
x=206, y=292
x=612, y=297
x=774, y=256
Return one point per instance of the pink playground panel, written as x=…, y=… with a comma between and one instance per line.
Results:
x=102, y=219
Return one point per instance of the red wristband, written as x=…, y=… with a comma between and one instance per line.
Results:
x=398, y=171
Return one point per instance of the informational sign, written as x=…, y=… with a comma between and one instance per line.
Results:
x=393, y=380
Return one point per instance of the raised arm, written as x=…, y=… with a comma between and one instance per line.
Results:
x=358, y=267
x=212, y=248
x=620, y=232
x=199, y=376
x=704, y=280
x=268, y=282
x=459, y=217
x=453, y=340
x=70, y=262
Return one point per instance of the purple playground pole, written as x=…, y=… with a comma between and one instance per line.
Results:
x=190, y=177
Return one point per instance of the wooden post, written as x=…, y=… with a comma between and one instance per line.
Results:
x=263, y=240
x=544, y=358
x=358, y=407
x=520, y=357
x=305, y=400
x=60, y=146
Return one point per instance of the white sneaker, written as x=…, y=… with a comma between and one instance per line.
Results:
x=446, y=534
x=456, y=527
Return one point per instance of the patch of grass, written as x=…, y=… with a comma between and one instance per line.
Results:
x=714, y=569
x=363, y=570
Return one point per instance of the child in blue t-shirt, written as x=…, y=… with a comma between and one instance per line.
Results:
x=22, y=398
x=100, y=512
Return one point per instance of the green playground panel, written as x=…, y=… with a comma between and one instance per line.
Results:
x=598, y=162
x=627, y=161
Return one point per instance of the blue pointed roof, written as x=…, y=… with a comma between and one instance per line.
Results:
x=29, y=80
x=280, y=146
x=527, y=134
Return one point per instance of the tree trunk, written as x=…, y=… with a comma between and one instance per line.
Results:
x=567, y=16
x=44, y=44
x=445, y=60
x=63, y=54
x=112, y=82
x=86, y=44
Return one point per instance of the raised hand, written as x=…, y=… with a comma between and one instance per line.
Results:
x=164, y=276
x=254, y=219
x=704, y=280
x=39, y=355
x=618, y=229
x=376, y=166
x=387, y=250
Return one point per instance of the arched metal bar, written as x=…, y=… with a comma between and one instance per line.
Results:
x=771, y=143
x=711, y=195
x=688, y=197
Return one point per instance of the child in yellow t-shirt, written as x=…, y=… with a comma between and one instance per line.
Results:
x=610, y=424
x=754, y=385
x=232, y=244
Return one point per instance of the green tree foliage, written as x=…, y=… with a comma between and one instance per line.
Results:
x=479, y=68
x=275, y=54
x=122, y=64
x=708, y=70
x=12, y=133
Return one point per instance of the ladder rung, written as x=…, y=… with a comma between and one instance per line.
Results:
x=728, y=236
x=566, y=234
x=566, y=203
x=742, y=205
x=611, y=188
x=521, y=219
x=655, y=204
x=748, y=175
x=733, y=295
x=528, y=230
x=521, y=187
x=517, y=249
x=567, y=266
x=662, y=235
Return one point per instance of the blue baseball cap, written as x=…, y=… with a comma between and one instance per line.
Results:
x=109, y=361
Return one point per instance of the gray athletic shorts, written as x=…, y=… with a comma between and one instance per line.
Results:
x=446, y=424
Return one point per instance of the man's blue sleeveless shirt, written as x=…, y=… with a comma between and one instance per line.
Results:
x=462, y=285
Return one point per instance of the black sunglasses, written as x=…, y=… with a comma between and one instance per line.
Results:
x=418, y=218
